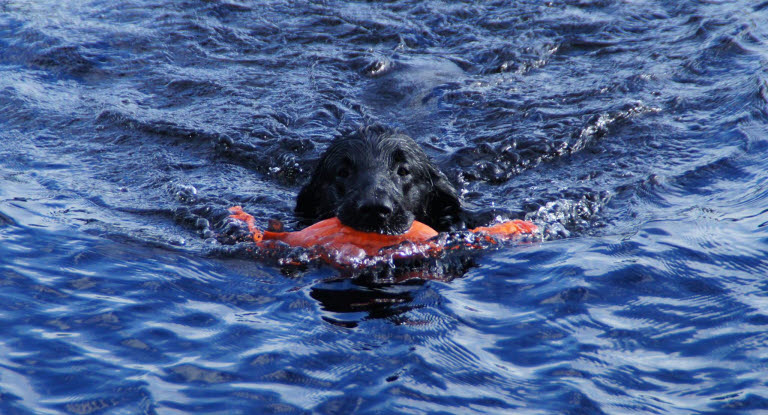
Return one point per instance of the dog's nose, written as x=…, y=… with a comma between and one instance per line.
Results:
x=377, y=209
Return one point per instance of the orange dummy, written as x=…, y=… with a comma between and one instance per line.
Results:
x=332, y=234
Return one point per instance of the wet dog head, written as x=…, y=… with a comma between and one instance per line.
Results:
x=380, y=181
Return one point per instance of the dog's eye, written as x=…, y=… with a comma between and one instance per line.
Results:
x=398, y=156
x=342, y=172
x=403, y=171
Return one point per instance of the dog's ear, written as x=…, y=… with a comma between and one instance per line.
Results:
x=443, y=208
x=312, y=201
x=306, y=203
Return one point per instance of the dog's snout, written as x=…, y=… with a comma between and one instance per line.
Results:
x=376, y=209
x=376, y=198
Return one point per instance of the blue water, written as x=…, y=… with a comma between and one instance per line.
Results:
x=635, y=133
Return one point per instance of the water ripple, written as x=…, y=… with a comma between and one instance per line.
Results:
x=634, y=133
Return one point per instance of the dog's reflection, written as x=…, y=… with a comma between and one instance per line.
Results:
x=385, y=292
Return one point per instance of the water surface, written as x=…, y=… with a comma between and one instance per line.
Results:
x=634, y=133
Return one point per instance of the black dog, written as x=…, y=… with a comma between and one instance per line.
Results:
x=377, y=180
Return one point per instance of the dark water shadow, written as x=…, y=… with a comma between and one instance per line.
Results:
x=386, y=291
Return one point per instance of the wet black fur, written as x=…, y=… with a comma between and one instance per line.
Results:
x=378, y=180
